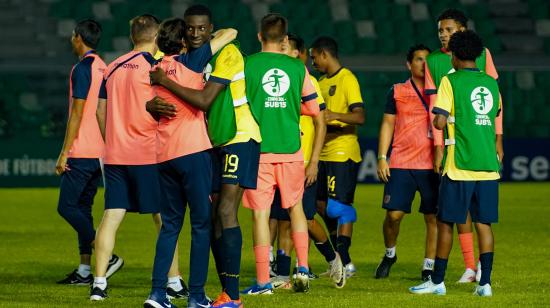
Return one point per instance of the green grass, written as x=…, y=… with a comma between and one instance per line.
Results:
x=38, y=247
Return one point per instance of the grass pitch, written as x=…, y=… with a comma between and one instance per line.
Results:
x=38, y=247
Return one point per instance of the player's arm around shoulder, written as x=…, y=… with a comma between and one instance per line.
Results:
x=221, y=38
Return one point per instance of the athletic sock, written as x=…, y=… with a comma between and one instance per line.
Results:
x=262, y=264
x=326, y=250
x=486, y=260
x=100, y=282
x=283, y=263
x=232, y=242
x=428, y=264
x=390, y=252
x=467, y=246
x=301, y=244
x=440, y=266
x=218, y=259
x=343, y=243
x=271, y=255
x=334, y=241
x=175, y=283
x=84, y=270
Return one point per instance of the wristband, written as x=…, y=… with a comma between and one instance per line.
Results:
x=382, y=157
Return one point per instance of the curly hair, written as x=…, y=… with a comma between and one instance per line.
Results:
x=466, y=45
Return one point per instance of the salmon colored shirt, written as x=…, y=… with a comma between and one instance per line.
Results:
x=411, y=147
x=309, y=107
x=85, y=82
x=130, y=131
x=186, y=133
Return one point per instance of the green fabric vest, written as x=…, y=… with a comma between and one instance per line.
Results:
x=222, y=125
x=476, y=105
x=274, y=89
x=439, y=64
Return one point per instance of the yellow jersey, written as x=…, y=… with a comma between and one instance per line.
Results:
x=307, y=127
x=341, y=93
x=445, y=101
x=229, y=69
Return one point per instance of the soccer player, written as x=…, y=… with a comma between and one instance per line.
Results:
x=313, y=135
x=406, y=121
x=438, y=64
x=131, y=176
x=278, y=89
x=341, y=155
x=236, y=135
x=466, y=108
x=78, y=163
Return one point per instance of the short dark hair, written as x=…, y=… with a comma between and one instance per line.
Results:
x=143, y=28
x=90, y=32
x=273, y=27
x=198, y=10
x=296, y=42
x=466, y=45
x=169, y=38
x=454, y=14
x=415, y=48
x=327, y=44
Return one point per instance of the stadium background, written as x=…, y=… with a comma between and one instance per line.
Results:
x=373, y=36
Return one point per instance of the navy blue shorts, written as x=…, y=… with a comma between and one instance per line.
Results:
x=404, y=183
x=309, y=203
x=236, y=164
x=133, y=188
x=79, y=184
x=456, y=198
x=337, y=180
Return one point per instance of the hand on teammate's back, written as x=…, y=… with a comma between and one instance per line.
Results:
x=157, y=76
x=158, y=107
x=383, y=170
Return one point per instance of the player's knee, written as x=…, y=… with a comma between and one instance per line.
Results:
x=394, y=216
x=349, y=215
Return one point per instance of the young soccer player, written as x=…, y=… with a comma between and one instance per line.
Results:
x=78, y=163
x=184, y=163
x=313, y=134
x=405, y=125
x=466, y=108
x=131, y=176
x=438, y=65
x=340, y=156
x=278, y=89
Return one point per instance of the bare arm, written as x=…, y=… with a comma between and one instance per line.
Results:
x=73, y=125
x=384, y=140
x=318, y=142
x=355, y=117
x=440, y=121
x=221, y=38
x=100, y=115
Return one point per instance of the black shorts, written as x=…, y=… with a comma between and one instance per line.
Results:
x=337, y=180
x=236, y=164
x=309, y=203
x=133, y=188
x=404, y=183
x=456, y=198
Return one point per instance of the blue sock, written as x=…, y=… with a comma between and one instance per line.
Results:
x=440, y=266
x=486, y=260
x=326, y=250
x=283, y=264
x=216, y=252
x=342, y=246
x=232, y=241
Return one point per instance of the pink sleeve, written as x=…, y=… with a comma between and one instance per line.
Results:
x=309, y=105
x=436, y=133
x=429, y=85
x=498, y=121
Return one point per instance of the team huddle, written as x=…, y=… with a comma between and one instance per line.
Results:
x=186, y=120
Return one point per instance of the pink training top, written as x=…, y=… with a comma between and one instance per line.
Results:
x=85, y=82
x=186, y=133
x=309, y=107
x=130, y=131
x=411, y=146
